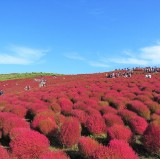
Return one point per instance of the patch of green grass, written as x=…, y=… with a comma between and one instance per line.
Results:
x=4, y=77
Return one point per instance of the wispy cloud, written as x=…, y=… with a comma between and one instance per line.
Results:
x=74, y=56
x=98, y=64
x=22, y=55
x=149, y=55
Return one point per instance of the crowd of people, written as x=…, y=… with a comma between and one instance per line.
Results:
x=129, y=72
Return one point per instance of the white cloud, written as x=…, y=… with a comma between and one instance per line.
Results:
x=149, y=55
x=98, y=64
x=74, y=56
x=22, y=55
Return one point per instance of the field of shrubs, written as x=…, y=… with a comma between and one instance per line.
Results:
x=85, y=116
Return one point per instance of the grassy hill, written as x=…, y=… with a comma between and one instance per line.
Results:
x=10, y=76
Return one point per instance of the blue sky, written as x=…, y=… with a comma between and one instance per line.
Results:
x=78, y=36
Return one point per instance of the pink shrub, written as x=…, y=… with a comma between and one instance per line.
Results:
x=140, y=108
x=126, y=115
x=151, y=139
x=87, y=146
x=153, y=106
x=14, y=122
x=119, y=149
x=92, y=111
x=3, y=153
x=48, y=127
x=29, y=145
x=108, y=109
x=96, y=125
x=138, y=124
x=119, y=132
x=54, y=155
x=16, y=109
x=3, y=116
x=55, y=107
x=42, y=116
x=102, y=152
x=80, y=105
x=66, y=105
x=111, y=119
x=70, y=132
x=17, y=132
x=80, y=114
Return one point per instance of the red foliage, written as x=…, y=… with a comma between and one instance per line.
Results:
x=153, y=106
x=96, y=125
x=70, y=132
x=120, y=132
x=3, y=153
x=126, y=115
x=14, y=122
x=65, y=104
x=111, y=119
x=108, y=109
x=29, y=145
x=54, y=155
x=87, y=146
x=48, y=127
x=140, y=108
x=80, y=114
x=102, y=152
x=119, y=149
x=151, y=139
x=17, y=132
x=138, y=124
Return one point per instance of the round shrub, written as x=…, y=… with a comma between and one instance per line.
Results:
x=126, y=115
x=138, y=124
x=48, y=127
x=102, y=152
x=54, y=155
x=29, y=145
x=120, y=132
x=3, y=153
x=111, y=119
x=151, y=139
x=96, y=125
x=140, y=108
x=14, y=122
x=80, y=114
x=70, y=132
x=119, y=149
x=87, y=146
x=65, y=104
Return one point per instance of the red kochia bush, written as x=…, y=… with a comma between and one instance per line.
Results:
x=87, y=146
x=14, y=122
x=119, y=149
x=3, y=153
x=70, y=132
x=17, y=132
x=140, y=108
x=111, y=119
x=29, y=145
x=65, y=104
x=16, y=109
x=151, y=139
x=126, y=115
x=120, y=132
x=54, y=155
x=138, y=124
x=96, y=125
x=48, y=127
x=102, y=152
x=80, y=114
x=107, y=109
